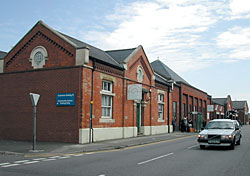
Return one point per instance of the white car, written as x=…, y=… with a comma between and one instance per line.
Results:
x=220, y=132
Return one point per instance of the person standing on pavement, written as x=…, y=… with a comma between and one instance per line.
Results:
x=190, y=124
x=186, y=124
x=183, y=125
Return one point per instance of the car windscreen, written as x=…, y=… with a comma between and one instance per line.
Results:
x=220, y=125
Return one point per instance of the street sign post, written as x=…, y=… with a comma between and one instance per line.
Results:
x=34, y=100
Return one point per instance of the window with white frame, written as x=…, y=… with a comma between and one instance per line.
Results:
x=161, y=106
x=107, y=86
x=107, y=99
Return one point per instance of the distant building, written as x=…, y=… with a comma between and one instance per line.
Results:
x=242, y=109
x=223, y=108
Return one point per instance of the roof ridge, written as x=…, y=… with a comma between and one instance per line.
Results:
x=90, y=46
x=75, y=39
x=120, y=49
x=167, y=69
x=56, y=32
x=239, y=101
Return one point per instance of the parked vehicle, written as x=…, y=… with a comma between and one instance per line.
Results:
x=220, y=132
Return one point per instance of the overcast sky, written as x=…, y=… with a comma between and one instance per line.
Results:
x=207, y=42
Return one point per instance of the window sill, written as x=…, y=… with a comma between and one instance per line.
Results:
x=106, y=120
x=161, y=120
x=107, y=93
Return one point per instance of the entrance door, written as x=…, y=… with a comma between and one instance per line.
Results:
x=138, y=117
x=199, y=122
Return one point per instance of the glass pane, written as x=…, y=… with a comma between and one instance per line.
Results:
x=107, y=86
x=160, y=115
x=103, y=111
x=160, y=107
x=108, y=112
x=103, y=101
x=109, y=100
x=104, y=85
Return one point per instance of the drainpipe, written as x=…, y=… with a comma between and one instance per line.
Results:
x=180, y=105
x=168, y=111
x=123, y=105
x=150, y=111
x=91, y=134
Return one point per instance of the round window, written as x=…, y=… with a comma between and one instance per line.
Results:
x=140, y=74
x=38, y=57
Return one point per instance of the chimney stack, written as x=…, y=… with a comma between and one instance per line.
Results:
x=82, y=55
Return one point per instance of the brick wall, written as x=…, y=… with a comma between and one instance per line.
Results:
x=60, y=53
x=54, y=123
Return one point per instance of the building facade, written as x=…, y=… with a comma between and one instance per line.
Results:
x=241, y=108
x=223, y=108
x=86, y=94
x=188, y=102
x=89, y=95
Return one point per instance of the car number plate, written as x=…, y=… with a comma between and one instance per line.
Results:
x=213, y=141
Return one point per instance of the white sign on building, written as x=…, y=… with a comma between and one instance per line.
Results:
x=134, y=92
x=210, y=108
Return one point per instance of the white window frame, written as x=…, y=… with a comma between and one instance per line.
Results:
x=107, y=91
x=161, y=104
x=42, y=50
x=140, y=74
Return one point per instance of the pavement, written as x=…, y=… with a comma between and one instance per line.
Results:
x=24, y=148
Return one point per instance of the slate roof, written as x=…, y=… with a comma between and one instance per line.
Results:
x=2, y=54
x=95, y=52
x=166, y=72
x=160, y=79
x=239, y=104
x=220, y=101
x=120, y=55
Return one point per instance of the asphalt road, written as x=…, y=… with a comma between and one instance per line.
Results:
x=179, y=157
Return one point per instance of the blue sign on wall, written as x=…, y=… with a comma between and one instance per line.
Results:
x=65, y=99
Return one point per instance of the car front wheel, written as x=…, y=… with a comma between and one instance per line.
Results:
x=232, y=145
x=238, y=142
x=202, y=146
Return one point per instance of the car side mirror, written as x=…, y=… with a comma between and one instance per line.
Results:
x=202, y=128
x=237, y=128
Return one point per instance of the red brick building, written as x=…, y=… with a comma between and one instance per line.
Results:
x=114, y=94
x=50, y=63
x=188, y=101
x=223, y=108
x=241, y=108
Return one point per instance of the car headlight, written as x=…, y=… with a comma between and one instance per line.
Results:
x=227, y=137
x=202, y=136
